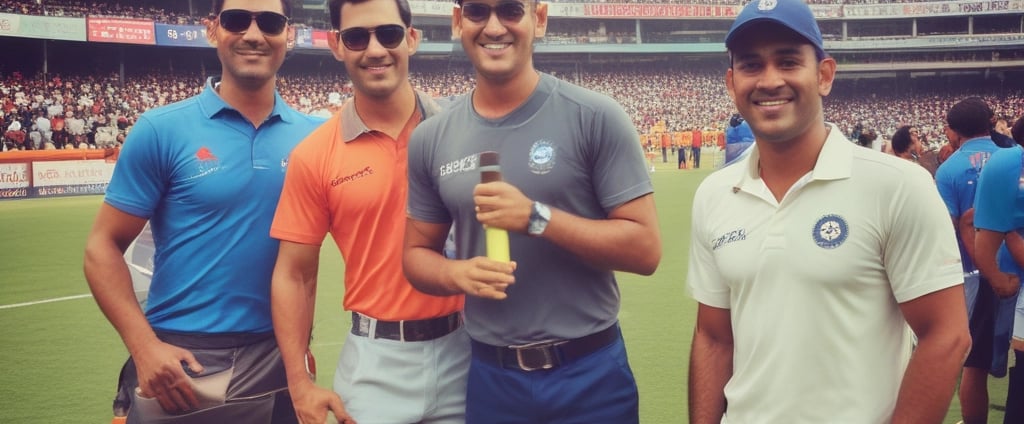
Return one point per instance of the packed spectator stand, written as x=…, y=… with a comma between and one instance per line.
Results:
x=96, y=110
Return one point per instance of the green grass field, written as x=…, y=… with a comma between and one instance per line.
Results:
x=60, y=357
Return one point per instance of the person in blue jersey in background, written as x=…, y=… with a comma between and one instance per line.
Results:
x=999, y=253
x=957, y=177
x=738, y=139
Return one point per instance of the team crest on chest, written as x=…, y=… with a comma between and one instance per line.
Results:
x=542, y=157
x=830, y=231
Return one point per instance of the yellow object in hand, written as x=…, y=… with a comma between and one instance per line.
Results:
x=497, y=244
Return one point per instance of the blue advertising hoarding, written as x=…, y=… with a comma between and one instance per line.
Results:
x=181, y=35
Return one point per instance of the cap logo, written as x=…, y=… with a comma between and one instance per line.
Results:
x=767, y=5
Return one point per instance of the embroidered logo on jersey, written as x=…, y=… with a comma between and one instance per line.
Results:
x=204, y=154
x=362, y=173
x=830, y=231
x=766, y=5
x=284, y=164
x=206, y=163
x=542, y=157
x=731, y=236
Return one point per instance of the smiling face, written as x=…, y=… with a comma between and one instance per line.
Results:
x=376, y=71
x=500, y=46
x=777, y=82
x=250, y=58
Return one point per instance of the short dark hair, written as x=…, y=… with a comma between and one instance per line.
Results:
x=970, y=117
x=286, y=7
x=735, y=120
x=867, y=137
x=334, y=7
x=1017, y=131
x=901, y=139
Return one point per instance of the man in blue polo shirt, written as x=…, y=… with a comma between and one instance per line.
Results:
x=999, y=219
x=957, y=179
x=206, y=172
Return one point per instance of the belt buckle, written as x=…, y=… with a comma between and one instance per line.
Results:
x=364, y=325
x=527, y=359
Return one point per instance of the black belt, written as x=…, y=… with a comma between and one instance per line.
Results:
x=408, y=330
x=545, y=355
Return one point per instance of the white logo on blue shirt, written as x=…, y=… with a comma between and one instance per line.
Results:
x=830, y=231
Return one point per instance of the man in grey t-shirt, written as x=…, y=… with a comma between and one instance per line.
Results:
x=577, y=202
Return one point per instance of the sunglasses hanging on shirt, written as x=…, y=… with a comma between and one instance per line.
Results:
x=509, y=12
x=238, y=21
x=358, y=38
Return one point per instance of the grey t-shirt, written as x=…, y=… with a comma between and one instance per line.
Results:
x=566, y=146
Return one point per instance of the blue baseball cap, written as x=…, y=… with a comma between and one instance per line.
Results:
x=792, y=14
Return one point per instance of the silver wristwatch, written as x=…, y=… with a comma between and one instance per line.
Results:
x=539, y=218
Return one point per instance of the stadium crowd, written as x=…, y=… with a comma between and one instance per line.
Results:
x=81, y=8
x=95, y=110
x=148, y=9
x=179, y=13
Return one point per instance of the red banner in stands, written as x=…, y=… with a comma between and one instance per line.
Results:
x=319, y=39
x=633, y=10
x=115, y=30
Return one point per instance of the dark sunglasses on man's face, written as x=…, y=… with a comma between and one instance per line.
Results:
x=238, y=20
x=508, y=11
x=358, y=38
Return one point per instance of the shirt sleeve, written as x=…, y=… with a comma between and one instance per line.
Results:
x=998, y=190
x=425, y=202
x=945, y=182
x=620, y=171
x=921, y=252
x=704, y=281
x=302, y=214
x=141, y=174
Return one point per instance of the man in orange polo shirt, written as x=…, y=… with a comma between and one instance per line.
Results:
x=407, y=355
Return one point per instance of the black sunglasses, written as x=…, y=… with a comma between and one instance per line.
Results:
x=508, y=11
x=358, y=38
x=238, y=20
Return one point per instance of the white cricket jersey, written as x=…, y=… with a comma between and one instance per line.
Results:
x=813, y=282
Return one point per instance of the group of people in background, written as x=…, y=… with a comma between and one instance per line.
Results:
x=992, y=294
x=829, y=278
x=652, y=97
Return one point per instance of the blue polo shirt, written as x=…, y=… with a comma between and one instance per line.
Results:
x=999, y=202
x=957, y=179
x=209, y=182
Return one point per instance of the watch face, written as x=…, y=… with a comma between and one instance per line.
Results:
x=538, y=219
x=535, y=228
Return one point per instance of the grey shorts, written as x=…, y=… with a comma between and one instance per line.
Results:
x=243, y=380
